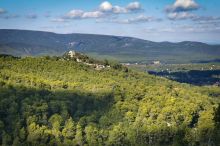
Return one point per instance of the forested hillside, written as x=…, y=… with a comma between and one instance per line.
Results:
x=52, y=101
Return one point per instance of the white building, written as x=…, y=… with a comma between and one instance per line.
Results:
x=156, y=62
x=72, y=54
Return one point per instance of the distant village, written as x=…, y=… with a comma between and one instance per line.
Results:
x=73, y=54
x=156, y=62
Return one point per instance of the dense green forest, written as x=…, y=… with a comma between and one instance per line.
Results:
x=49, y=101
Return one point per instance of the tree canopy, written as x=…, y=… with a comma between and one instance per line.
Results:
x=51, y=101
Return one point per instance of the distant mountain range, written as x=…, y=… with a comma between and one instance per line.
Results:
x=123, y=49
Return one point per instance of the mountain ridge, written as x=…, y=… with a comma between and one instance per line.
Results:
x=124, y=49
x=122, y=36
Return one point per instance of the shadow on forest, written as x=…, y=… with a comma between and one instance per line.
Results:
x=20, y=106
x=195, y=77
x=41, y=102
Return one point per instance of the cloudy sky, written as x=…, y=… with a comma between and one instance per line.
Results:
x=156, y=20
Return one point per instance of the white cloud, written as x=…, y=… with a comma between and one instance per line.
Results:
x=193, y=17
x=138, y=19
x=104, y=9
x=180, y=10
x=119, y=10
x=94, y=14
x=80, y=14
x=74, y=14
x=142, y=19
x=131, y=7
x=180, y=16
x=182, y=6
x=134, y=6
x=106, y=6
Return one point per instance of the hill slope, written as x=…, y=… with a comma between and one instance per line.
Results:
x=52, y=101
x=124, y=49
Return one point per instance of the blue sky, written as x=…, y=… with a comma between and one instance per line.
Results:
x=156, y=20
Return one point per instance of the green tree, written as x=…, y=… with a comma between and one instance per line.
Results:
x=79, y=135
x=56, y=121
x=92, y=136
x=117, y=136
x=6, y=139
x=68, y=131
x=22, y=134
